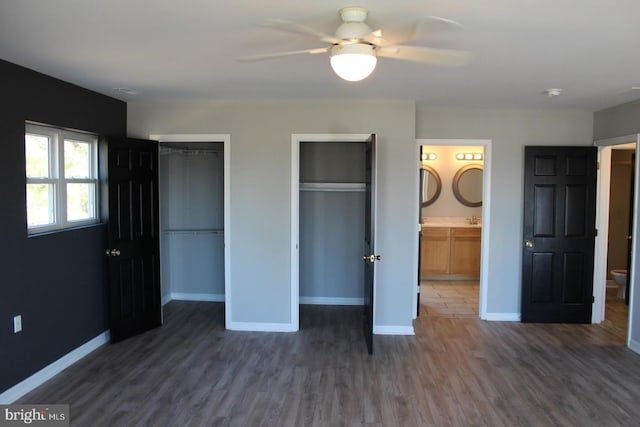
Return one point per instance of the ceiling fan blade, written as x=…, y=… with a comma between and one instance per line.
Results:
x=376, y=38
x=425, y=28
x=292, y=27
x=276, y=55
x=425, y=54
x=433, y=24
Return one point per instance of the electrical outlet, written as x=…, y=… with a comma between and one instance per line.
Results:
x=17, y=323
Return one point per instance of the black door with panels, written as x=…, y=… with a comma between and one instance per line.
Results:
x=133, y=237
x=559, y=234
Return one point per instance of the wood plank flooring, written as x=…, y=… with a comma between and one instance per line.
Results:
x=453, y=372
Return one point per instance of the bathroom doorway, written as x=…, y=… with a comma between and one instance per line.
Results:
x=452, y=202
x=616, y=208
x=619, y=235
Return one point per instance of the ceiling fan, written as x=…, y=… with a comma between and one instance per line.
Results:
x=354, y=48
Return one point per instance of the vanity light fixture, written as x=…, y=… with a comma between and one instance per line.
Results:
x=428, y=156
x=469, y=156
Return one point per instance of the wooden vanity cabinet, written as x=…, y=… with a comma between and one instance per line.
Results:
x=435, y=251
x=450, y=253
x=465, y=251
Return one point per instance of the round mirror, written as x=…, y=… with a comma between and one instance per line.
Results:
x=467, y=185
x=430, y=185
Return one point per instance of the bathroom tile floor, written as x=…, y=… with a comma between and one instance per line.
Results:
x=459, y=299
x=449, y=298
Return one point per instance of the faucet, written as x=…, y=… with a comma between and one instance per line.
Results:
x=473, y=220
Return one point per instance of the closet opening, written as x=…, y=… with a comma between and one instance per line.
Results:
x=192, y=220
x=331, y=211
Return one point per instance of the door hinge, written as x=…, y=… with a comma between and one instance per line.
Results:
x=593, y=299
x=596, y=233
x=597, y=165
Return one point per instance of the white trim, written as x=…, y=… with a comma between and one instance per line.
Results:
x=332, y=300
x=51, y=370
x=225, y=138
x=296, y=139
x=393, y=330
x=485, y=251
x=601, y=241
x=618, y=140
x=260, y=327
x=634, y=346
x=502, y=317
x=188, y=296
x=295, y=232
x=166, y=299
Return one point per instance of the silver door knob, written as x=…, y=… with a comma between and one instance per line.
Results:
x=112, y=252
x=528, y=243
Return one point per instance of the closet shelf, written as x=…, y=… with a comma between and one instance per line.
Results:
x=194, y=231
x=333, y=186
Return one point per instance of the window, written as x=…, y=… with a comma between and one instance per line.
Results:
x=62, y=178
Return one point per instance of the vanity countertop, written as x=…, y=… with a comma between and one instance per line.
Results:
x=450, y=225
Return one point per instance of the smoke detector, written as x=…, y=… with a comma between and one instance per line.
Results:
x=553, y=92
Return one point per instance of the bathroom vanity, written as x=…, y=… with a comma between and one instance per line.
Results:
x=450, y=252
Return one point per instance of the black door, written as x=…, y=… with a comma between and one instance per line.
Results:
x=134, y=256
x=369, y=245
x=559, y=234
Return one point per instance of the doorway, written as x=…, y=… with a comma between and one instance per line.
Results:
x=311, y=192
x=458, y=288
x=607, y=305
x=194, y=220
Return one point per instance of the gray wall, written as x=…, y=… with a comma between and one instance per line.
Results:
x=260, y=187
x=260, y=180
x=510, y=131
x=620, y=121
x=616, y=121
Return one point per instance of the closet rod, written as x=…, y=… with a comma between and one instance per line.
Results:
x=333, y=186
x=193, y=232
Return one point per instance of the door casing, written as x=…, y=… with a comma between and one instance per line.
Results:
x=602, y=223
x=486, y=219
x=296, y=139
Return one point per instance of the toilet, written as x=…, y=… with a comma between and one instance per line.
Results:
x=620, y=277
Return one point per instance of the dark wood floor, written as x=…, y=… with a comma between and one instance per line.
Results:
x=454, y=372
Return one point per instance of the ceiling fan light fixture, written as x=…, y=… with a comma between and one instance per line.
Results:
x=353, y=62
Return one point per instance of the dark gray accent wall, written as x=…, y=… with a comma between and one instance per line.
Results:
x=56, y=281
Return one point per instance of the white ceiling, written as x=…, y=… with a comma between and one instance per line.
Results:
x=167, y=49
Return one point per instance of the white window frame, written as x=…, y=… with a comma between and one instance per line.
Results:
x=56, y=138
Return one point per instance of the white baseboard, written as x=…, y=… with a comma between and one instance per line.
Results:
x=393, y=330
x=261, y=327
x=502, y=317
x=331, y=300
x=46, y=373
x=185, y=296
x=634, y=346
